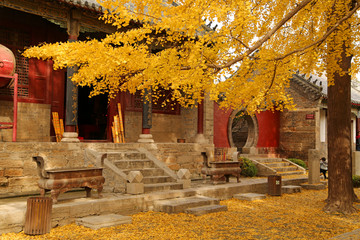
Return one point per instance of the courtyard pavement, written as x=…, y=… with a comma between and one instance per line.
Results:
x=74, y=204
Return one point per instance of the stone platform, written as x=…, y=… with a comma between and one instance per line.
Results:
x=74, y=205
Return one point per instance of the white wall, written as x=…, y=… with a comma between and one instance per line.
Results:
x=323, y=125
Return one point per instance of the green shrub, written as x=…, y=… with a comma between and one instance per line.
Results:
x=299, y=162
x=356, y=181
x=248, y=168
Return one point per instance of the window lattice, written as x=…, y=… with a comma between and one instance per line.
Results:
x=16, y=41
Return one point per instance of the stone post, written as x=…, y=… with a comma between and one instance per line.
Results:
x=134, y=184
x=314, y=166
x=356, y=163
x=184, y=177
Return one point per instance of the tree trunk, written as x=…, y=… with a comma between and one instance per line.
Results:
x=340, y=190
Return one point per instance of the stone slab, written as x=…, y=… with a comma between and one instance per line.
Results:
x=249, y=196
x=96, y=222
x=354, y=235
x=308, y=186
x=198, y=211
x=178, y=205
x=290, y=189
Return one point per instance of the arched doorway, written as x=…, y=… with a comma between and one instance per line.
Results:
x=243, y=131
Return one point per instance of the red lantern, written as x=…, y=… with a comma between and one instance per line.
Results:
x=7, y=65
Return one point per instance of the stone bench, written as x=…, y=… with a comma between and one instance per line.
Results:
x=64, y=179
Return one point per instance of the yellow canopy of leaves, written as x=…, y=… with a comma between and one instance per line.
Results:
x=248, y=59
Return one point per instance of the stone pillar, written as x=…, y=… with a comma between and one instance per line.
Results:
x=200, y=138
x=134, y=184
x=356, y=163
x=314, y=166
x=209, y=119
x=71, y=107
x=146, y=137
x=184, y=177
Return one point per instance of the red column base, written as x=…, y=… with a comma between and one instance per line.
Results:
x=145, y=131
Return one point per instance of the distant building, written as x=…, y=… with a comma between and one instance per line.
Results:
x=289, y=133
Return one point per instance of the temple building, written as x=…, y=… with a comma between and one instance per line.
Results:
x=42, y=91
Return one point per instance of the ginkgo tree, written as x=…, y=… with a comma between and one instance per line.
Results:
x=246, y=60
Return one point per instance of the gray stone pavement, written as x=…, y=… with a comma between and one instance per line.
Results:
x=73, y=205
x=354, y=235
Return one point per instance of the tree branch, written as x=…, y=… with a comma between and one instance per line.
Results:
x=267, y=36
x=321, y=40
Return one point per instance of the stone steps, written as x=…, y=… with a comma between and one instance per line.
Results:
x=277, y=164
x=154, y=177
x=270, y=165
x=298, y=172
x=137, y=163
x=155, y=187
x=146, y=172
x=157, y=179
x=125, y=155
x=267, y=160
x=285, y=169
x=178, y=205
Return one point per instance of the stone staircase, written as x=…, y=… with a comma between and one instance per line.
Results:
x=196, y=205
x=156, y=176
x=272, y=164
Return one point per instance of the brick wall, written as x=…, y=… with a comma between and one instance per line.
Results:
x=33, y=121
x=184, y=155
x=189, y=118
x=209, y=119
x=165, y=127
x=297, y=133
x=18, y=172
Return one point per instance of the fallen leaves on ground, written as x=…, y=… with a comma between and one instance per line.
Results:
x=291, y=216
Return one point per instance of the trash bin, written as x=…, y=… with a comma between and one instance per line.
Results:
x=274, y=185
x=38, y=215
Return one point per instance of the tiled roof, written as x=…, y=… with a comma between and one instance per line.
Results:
x=321, y=83
x=87, y=4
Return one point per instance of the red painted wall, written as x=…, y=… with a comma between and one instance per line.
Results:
x=269, y=123
x=221, y=121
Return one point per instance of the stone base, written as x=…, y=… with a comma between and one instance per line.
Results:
x=249, y=196
x=70, y=137
x=185, y=182
x=135, y=188
x=145, y=138
x=200, y=138
x=318, y=186
x=96, y=222
x=290, y=189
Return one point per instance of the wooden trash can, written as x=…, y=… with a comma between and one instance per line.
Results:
x=274, y=185
x=38, y=215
